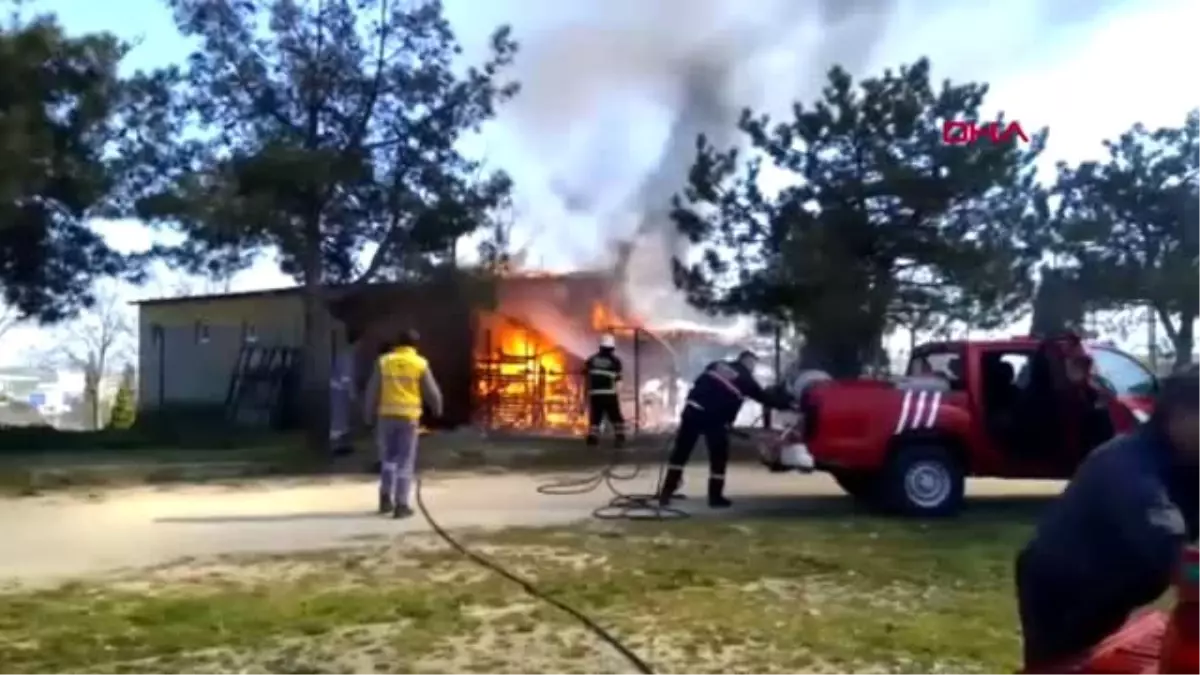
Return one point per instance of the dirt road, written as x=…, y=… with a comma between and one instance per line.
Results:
x=64, y=536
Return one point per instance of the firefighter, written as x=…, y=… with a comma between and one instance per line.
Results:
x=400, y=384
x=1110, y=542
x=710, y=410
x=602, y=372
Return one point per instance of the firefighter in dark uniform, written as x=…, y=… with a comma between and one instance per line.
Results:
x=710, y=410
x=602, y=372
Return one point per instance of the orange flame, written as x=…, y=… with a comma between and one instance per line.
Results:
x=523, y=381
x=604, y=318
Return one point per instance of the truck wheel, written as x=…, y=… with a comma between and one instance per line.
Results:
x=862, y=485
x=925, y=481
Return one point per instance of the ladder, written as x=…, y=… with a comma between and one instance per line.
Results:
x=257, y=385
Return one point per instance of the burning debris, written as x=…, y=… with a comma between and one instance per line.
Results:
x=529, y=354
x=523, y=380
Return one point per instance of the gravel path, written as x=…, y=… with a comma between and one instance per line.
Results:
x=64, y=536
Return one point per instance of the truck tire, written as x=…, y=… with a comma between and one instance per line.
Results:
x=862, y=485
x=925, y=481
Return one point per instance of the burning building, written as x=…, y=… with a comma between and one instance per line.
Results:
x=510, y=356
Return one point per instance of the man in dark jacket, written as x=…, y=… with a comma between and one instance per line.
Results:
x=602, y=372
x=712, y=406
x=1109, y=544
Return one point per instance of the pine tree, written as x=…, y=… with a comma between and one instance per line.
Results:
x=871, y=219
x=322, y=129
x=1127, y=223
x=124, y=407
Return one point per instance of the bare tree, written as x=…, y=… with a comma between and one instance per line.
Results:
x=100, y=342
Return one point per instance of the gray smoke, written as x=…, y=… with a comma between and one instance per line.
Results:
x=700, y=62
x=703, y=62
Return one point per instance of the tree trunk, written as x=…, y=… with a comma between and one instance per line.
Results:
x=318, y=324
x=1184, y=342
x=845, y=330
x=835, y=352
x=91, y=398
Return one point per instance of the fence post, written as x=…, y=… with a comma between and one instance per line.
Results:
x=637, y=380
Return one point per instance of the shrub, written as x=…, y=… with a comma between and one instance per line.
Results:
x=124, y=407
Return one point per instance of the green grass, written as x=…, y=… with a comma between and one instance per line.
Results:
x=31, y=473
x=799, y=595
x=123, y=458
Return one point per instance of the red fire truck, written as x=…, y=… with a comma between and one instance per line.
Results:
x=964, y=408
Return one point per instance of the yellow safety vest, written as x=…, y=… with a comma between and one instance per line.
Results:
x=400, y=373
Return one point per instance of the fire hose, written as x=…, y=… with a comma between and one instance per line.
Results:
x=623, y=505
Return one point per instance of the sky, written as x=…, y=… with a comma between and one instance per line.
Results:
x=1087, y=69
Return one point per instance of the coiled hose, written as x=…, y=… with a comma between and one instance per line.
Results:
x=623, y=505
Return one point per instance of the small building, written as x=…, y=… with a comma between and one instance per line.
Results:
x=507, y=354
x=188, y=347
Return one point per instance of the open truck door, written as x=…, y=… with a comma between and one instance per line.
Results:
x=1132, y=385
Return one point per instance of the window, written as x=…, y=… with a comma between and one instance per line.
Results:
x=201, y=333
x=1007, y=369
x=1122, y=373
x=249, y=333
x=1018, y=361
x=942, y=362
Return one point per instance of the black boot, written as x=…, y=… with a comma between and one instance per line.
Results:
x=402, y=511
x=716, y=494
x=385, y=503
x=670, y=485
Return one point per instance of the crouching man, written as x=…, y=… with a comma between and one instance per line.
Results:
x=1110, y=543
x=400, y=385
x=712, y=406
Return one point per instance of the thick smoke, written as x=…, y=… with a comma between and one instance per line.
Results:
x=702, y=61
x=628, y=70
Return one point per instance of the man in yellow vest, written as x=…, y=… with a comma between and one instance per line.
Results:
x=400, y=383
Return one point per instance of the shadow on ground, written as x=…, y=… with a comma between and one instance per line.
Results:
x=267, y=517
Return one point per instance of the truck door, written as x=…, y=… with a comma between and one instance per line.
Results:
x=1043, y=440
x=1004, y=378
x=1132, y=385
